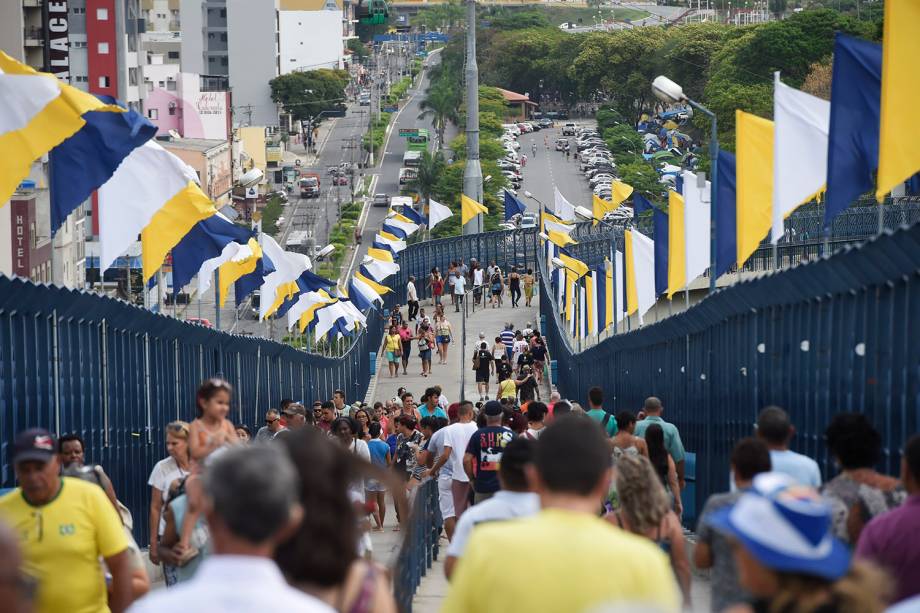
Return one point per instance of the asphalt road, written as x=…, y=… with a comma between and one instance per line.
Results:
x=548, y=169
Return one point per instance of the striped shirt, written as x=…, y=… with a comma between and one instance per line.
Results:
x=508, y=338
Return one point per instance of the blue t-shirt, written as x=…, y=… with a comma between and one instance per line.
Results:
x=438, y=412
x=391, y=443
x=379, y=450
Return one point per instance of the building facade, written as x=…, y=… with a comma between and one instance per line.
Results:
x=311, y=35
x=211, y=159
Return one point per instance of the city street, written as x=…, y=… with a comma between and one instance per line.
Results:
x=549, y=168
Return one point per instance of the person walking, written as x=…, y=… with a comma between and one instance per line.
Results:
x=807, y=571
x=664, y=465
x=436, y=283
x=459, y=289
x=412, y=298
x=508, y=337
x=444, y=477
x=484, y=452
x=405, y=340
x=859, y=492
x=749, y=458
x=482, y=365
x=444, y=336
x=245, y=531
x=625, y=442
x=529, y=281
x=515, y=499
x=477, y=283
x=65, y=525
x=538, y=353
x=456, y=438
x=653, y=410
x=521, y=565
x=426, y=343
x=891, y=539
x=177, y=465
x=646, y=511
x=375, y=489
x=271, y=427
x=514, y=286
x=536, y=413
x=774, y=427
x=393, y=348
x=597, y=413
x=497, y=286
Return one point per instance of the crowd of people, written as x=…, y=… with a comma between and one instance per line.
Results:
x=546, y=506
x=488, y=285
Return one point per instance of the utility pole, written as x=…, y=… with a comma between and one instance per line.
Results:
x=472, y=173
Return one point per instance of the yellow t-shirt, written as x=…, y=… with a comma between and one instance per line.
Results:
x=393, y=342
x=560, y=561
x=507, y=389
x=61, y=543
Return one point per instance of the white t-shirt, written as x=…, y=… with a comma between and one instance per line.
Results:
x=502, y=506
x=411, y=294
x=360, y=449
x=459, y=285
x=518, y=348
x=163, y=474
x=436, y=448
x=443, y=403
x=477, y=277
x=457, y=436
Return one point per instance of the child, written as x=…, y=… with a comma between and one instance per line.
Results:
x=376, y=490
x=210, y=431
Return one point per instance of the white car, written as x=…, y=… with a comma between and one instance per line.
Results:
x=511, y=128
x=529, y=220
x=568, y=129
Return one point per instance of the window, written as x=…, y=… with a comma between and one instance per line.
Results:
x=172, y=109
x=170, y=86
x=79, y=10
x=161, y=84
x=102, y=14
x=79, y=44
x=132, y=76
x=102, y=48
x=223, y=37
x=223, y=12
x=223, y=61
x=173, y=55
x=103, y=81
x=149, y=86
x=80, y=78
x=153, y=113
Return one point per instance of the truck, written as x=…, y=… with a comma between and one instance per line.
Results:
x=309, y=185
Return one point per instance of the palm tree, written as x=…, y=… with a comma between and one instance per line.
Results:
x=430, y=168
x=440, y=103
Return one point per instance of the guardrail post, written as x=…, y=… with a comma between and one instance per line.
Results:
x=553, y=372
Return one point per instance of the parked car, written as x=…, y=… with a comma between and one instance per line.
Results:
x=561, y=144
x=529, y=220
x=199, y=321
x=568, y=129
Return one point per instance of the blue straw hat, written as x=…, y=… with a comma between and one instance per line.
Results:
x=786, y=527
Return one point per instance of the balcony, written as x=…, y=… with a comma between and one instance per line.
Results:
x=34, y=37
x=32, y=3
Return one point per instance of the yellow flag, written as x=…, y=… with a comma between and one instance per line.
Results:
x=229, y=272
x=620, y=191
x=677, y=243
x=403, y=218
x=600, y=207
x=469, y=209
x=283, y=292
x=560, y=239
x=898, y=146
x=386, y=234
x=754, y=177
x=172, y=222
x=576, y=266
x=380, y=254
x=308, y=315
x=380, y=289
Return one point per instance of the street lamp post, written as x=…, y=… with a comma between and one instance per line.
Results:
x=667, y=90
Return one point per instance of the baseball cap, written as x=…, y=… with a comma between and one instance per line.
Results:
x=295, y=409
x=493, y=408
x=786, y=527
x=36, y=444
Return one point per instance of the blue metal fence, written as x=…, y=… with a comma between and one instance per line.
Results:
x=116, y=374
x=839, y=334
x=420, y=546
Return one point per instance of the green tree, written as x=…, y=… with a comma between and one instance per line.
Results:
x=357, y=48
x=440, y=103
x=623, y=139
x=430, y=169
x=306, y=94
x=644, y=179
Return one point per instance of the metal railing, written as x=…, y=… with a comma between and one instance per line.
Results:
x=420, y=546
x=838, y=334
x=116, y=374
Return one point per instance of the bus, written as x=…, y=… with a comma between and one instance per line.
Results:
x=418, y=142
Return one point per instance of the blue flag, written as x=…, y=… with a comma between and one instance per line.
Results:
x=641, y=204
x=726, y=214
x=660, y=219
x=358, y=298
x=852, y=146
x=86, y=160
x=513, y=206
x=247, y=284
x=306, y=282
x=416, y=217
x=205, y=240
x=394, y=230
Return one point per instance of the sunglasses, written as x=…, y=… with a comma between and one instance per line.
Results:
x=177, y=427
x=271, y=421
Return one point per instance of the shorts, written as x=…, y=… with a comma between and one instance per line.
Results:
x=425, y=354
x=445, y=497
x=392, y=357
x=482, y=377
x=496, y=290
x=372, y=485
x=443, y=339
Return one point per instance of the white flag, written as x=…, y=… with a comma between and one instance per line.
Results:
x=437, y=213
x=801, y=124
x=288, y=267
x=563, y=209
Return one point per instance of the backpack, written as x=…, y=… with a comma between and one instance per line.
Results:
x=476, y=361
